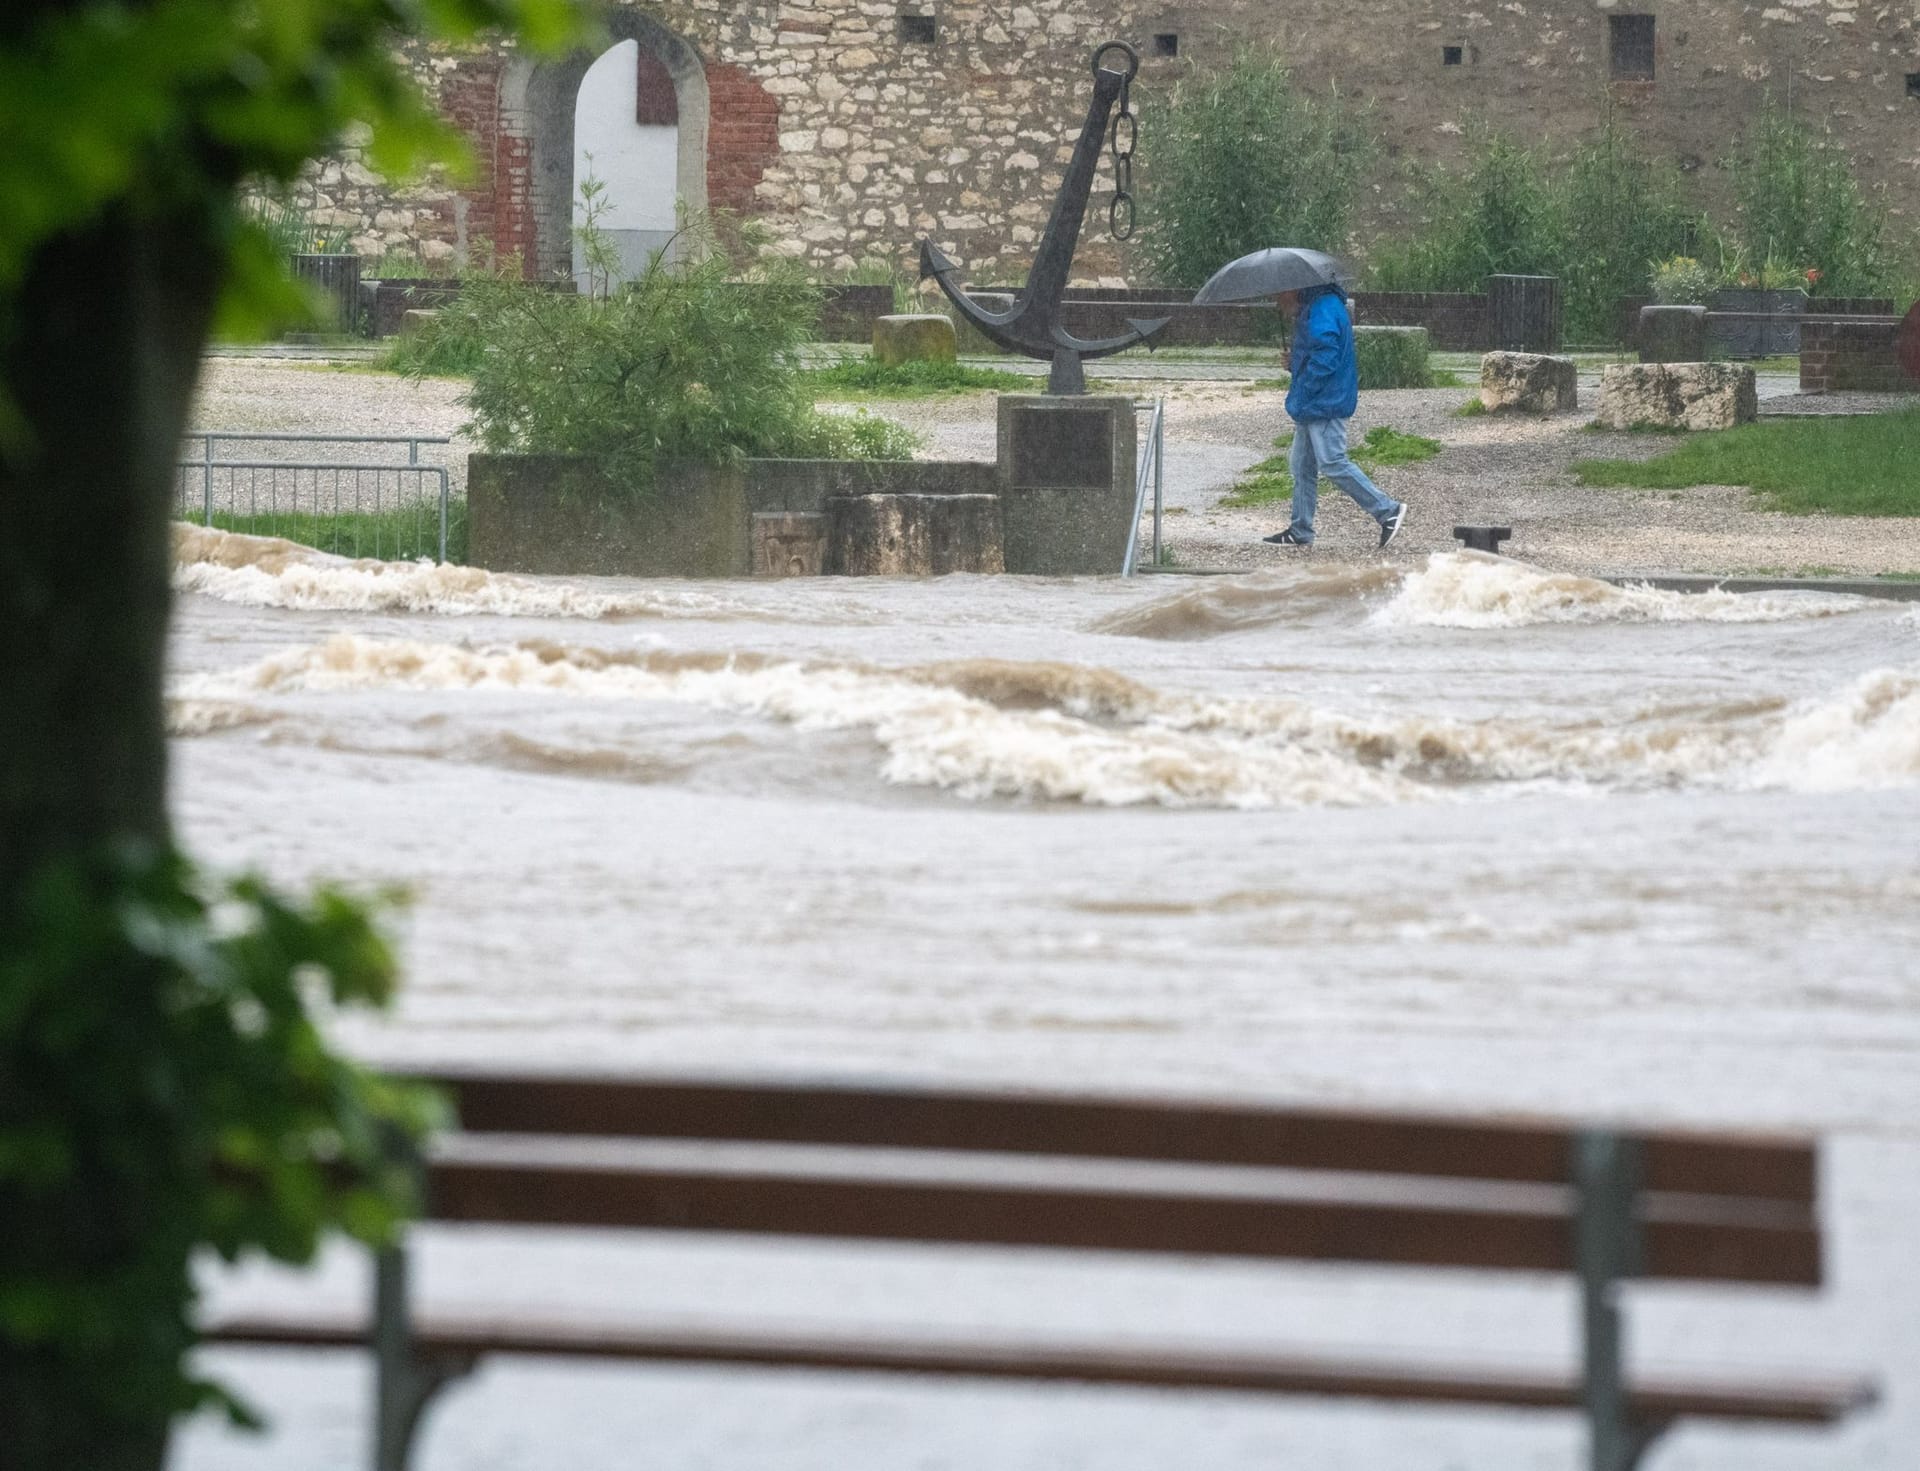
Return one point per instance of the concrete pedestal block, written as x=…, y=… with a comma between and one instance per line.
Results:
x=1673, y=334
x=1528, y=383
x=417, y=318
x=913, y=535
x=1676, y=396
x=1067, y=482
x=915, y=339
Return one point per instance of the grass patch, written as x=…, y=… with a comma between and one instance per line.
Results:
x=1473, y=408
x=1272, y=479
x=1861, y=465
x=402, y=535
x=859, y=378
x=1269, y=384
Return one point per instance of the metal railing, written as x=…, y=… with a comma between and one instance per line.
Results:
x=331, y=491
x=1152, y=464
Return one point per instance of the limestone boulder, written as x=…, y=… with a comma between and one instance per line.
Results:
x=1528, y=383
x=1676, y=396
x=417, y=319
x=913, y=339
x=914, y=535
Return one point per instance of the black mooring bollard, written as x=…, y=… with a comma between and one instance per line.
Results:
x=1482, y=538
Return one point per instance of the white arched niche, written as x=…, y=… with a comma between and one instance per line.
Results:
x=638, y=163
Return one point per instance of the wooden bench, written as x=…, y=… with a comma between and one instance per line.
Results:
x=959, y=1167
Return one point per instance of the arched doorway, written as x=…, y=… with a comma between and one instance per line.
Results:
x=626, y=139
x=564, y=118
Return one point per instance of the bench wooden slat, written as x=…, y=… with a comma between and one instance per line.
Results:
x=1402, y=1224
x=1743, y=1166
x=1800, y=1401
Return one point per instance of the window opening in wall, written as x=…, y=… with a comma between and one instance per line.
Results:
x=918, y=30
x=1630, y=48
x=1167, y=43
x=1451, y=55
x=1913, y=84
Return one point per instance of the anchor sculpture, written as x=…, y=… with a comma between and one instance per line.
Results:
x=1032, y=324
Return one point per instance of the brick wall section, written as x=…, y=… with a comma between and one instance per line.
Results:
x=743, y=136
x=1857, y=357
x=1455, y=321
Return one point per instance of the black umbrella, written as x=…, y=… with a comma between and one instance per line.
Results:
x=1269, y=272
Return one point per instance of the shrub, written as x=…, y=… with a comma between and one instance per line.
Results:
x=1682, y=280
x=1242, y=159
x=871, y=378
x=1392, y=357
x=678, y=363
x=1802, y=212
x=1623, y=211
x=1498, y=217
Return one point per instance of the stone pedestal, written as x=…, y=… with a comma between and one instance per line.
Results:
x=1066, y=482
x=1528, y=383
x=913, y=535
x=1676, y=396
x=1673, y=334
x=913, y=339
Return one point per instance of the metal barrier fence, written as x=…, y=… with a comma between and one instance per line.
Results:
x=329, y=492
x=1153, y=464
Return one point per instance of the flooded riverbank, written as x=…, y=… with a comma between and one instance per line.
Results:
x=1446, y=832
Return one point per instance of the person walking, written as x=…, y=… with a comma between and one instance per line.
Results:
x=1321, y=398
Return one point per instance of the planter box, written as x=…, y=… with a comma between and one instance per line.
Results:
x=1755, y=339
x=338, y=279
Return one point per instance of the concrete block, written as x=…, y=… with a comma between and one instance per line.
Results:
x=1676, y=396
x=789, y=543
x=913, y=339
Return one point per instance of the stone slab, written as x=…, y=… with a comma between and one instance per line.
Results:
x=1695, y=396
x=1528, y=383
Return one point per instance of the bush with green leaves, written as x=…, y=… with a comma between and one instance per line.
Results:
x=690, y=360
x=166, y=1089
x=1498, y=216
x=1245, y=158
x=1392, y=357
x=1802, y=212
x=1623, y=211
x=1682, y=280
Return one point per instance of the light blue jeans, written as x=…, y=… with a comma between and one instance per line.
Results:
x=1320, y=448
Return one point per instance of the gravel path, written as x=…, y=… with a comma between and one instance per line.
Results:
x=1492, y=470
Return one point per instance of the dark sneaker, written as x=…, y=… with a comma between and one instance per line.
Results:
x=1287, y=539
x=1390, y=528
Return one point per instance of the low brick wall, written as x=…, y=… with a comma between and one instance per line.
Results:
x=1456, y=321
x=1852, y=357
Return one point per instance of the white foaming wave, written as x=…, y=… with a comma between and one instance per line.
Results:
x=266, y=572
x=985, y=729
x=1866, y=737
x=1475, y=590
x=933, y=734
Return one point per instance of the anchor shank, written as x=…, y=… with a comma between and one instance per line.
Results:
x=1054, y=259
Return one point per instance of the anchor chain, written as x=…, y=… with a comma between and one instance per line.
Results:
x=1120, y=213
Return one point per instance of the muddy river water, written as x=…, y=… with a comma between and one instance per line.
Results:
x=1448, y=832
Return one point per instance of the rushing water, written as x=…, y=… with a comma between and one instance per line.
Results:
x=1450, y=833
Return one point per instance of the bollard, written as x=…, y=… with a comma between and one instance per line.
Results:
x=1482, y=538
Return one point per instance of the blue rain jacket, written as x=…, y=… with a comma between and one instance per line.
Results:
x=1326, y=377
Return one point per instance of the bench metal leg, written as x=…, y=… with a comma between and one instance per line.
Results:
x=405, y=1381
x=1606, y=1171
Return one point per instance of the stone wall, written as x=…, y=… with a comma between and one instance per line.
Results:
x=851, y=139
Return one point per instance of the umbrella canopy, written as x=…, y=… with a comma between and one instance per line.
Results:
x=1269, y=272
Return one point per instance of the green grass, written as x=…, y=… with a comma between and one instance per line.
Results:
x=1473, y=408
x=861, y=378
x=1860, y=465
x=392, y=536
x=1272, y=480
